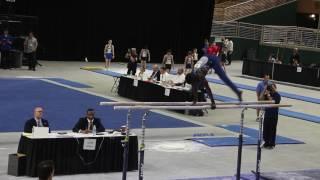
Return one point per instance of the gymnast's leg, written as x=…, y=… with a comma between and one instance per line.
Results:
x=219, y=71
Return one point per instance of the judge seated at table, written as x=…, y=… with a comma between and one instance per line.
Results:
x=85, y=125
x=36, y=121
x=142, y=73
x=164, y=76
x=155, y=76
x=179, y=79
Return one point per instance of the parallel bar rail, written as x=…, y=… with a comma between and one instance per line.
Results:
x=181, y=103
x=203, y=107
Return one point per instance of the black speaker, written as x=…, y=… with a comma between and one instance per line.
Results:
x=17, y=164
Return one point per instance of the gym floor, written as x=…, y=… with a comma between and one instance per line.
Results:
x=168, y=155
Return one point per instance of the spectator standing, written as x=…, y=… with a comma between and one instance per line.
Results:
x=108, y=53
x=30, y=49
x=195, y=55
x=5, y=47
x=168, y=61
x=188, y=62
x=270, y=116
x=229, y=50
x=132, y=64
x=144, y=56
x=260, y=88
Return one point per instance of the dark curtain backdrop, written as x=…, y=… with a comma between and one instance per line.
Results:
x=75, y=29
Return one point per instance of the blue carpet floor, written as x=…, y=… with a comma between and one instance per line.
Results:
x=63, y=107
x=284, y=112
x=69, y=83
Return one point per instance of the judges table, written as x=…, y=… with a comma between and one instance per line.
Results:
x=151, y=92
x=67, y=152
x=282, y=72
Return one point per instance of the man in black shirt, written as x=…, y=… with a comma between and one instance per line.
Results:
x=198, y=81
x=270, y=117
x=155, y=76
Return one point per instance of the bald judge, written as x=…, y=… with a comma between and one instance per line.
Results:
x=36, y=121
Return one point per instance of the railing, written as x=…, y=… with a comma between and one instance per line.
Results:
x=249, y=7
x=291, y=36
x=236, y=29
x=288, y=36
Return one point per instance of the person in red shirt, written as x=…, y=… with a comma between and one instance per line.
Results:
x=213, y=49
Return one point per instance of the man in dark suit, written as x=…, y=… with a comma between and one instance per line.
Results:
x=36, y=121
x=155, y=76
x=85, y=124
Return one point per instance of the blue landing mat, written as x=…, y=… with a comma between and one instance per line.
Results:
x=63, y=107
x=253, y=133
x=251, y=137
x=284, y=94
x=69, y=83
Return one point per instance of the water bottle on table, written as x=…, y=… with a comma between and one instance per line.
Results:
x=94, y=130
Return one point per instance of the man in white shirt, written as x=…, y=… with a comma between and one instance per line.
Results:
x=229, y=50
x=30, y=48
x=163, y=75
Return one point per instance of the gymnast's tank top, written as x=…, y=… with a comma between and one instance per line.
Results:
x=189, y=60
x=169, y=59
x=109, y=49
x=144, y=53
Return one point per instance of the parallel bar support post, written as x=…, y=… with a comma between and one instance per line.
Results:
x=125, y=144
x=238, y=175
x=258, y=163
x=142, y=145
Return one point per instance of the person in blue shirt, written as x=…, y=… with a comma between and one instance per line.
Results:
x=260, y=88
x=5, y=47
x=270, y=116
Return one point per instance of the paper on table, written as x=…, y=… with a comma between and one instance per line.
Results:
x=299, y=69
x=167, y=92
x=135, y=82
x=89, y=144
